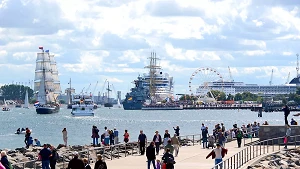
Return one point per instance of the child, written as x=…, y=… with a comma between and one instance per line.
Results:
x=158, y=164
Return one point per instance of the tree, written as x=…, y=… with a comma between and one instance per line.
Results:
x=230, y=97
x=238, y=97
x=62, y=101
x=15, y=92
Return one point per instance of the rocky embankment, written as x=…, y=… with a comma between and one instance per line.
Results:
x=285, y=159
x=27, y=158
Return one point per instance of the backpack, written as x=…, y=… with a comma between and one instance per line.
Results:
x=101, y=166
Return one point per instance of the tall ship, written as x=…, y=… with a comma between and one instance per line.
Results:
x=46, y=83
x=160, y=84
x=108, y=103
x=135, y=99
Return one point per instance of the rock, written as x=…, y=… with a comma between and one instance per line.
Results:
x=11, y=152
x=60, y=146
x=297, y=162
x=21, y=150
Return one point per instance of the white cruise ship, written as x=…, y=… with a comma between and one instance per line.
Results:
x=239, y=87
x=82, y=105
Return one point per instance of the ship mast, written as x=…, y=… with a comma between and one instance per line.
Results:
x=153, y=69
x=297, y=68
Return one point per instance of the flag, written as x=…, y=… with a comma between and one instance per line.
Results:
x=37, y=103
x=41, y=47
x=47, y=51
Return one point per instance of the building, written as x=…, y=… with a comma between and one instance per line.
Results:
x=119, y=95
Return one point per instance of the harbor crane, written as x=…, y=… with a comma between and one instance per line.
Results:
x=95, y=88
x=271, y=80
x=230, y=75
x=86, y=91
x=288, y=78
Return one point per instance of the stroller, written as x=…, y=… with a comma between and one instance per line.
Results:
x=211, y=141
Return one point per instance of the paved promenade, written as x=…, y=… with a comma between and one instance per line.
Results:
x=190, y=157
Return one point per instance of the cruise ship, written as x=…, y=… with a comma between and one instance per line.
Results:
x=232, y=88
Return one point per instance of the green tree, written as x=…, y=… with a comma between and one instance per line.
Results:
x=230, y=97
x=62, y=101
x=238, y=97
x=15, y=92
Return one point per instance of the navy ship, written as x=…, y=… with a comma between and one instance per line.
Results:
x=137, y=97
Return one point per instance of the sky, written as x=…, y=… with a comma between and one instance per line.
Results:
x=95, y=40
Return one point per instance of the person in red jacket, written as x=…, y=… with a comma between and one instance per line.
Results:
x=217, y=154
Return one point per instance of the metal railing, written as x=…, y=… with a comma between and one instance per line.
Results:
x=256, y=149
x=108, y=152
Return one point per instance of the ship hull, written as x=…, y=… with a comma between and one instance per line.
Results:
x=47, y=110
x=133, y=106
x=162, y=108
x=108, y=105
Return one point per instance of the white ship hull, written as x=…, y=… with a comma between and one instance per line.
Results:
x=82, y=110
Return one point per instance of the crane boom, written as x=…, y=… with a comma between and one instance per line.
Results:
x=88, y=88
x=297, y=68
x=271, y=80
x=230, y=75
x=288, y=78
x=95, y=88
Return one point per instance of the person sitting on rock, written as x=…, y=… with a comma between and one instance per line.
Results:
x=37, y=142
x=293, y=122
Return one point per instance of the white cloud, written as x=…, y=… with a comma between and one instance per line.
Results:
x=114, y=38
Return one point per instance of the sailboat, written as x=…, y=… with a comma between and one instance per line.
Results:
x=26, y=102
x=119, y=104
x=108, y=104
x=69, y=106
x=5, y=108
x=46, y=84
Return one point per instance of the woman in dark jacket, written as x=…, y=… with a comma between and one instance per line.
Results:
x=100, y=164
x=53, y=158
x=4, y=160
x=95, y=135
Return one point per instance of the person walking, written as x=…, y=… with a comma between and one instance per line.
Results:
x=100, y=164
x=157, y=140
x=27, y=137
x=168, y=159
x=116, y=134
x=75, y=163
x=142, y=140
x=218, y=154
x=45, y=155
x=287, y=135
x=239, y=136
x=95, y=135
x=65, y=136
x=167, y=137
x=176, y=144
x=286, y=111
x=150, y=154
x=53, y=158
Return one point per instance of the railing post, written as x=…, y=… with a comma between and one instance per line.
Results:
x=111, y=152
x=234, y=161
x=118, y=150
x=63, y=162
x=125, y=149
x=193, y=140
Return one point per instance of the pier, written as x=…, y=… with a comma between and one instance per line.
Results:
x=252, y=107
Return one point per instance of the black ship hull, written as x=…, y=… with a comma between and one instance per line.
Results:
x=108, y=105
x=47, y=110
x=132, y=106
x=69, y=106
x=18, y=106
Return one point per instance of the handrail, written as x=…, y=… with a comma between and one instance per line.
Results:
x=255, y=150
x=113, y=151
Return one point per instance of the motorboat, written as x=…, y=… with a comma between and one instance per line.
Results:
x=82, y=105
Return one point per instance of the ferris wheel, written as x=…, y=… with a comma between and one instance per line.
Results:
x=201, y=80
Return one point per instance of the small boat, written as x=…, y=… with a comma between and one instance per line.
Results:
x=21, y=132
x=5, y=108
x=26, y=102
x=82, y=105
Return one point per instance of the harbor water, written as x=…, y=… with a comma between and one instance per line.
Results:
x=47, y=128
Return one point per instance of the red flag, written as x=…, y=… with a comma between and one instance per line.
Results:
x=41, y=47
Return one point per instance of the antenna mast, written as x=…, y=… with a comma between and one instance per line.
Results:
x=297, y=68
x=270, y=82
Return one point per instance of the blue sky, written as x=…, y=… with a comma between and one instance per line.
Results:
x=112, y=39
